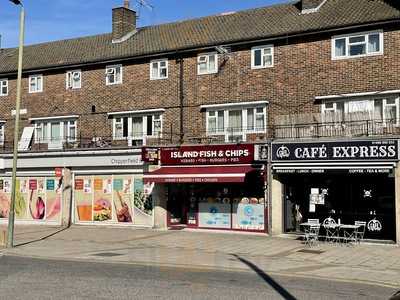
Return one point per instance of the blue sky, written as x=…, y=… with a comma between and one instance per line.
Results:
x=49, y=20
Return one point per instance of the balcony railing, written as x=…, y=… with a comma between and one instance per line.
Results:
x=366, y=128
x=362, y=128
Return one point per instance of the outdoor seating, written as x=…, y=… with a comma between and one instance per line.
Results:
x=360, y=231
x=331, y=230
x=313, y=221
x=311, y=235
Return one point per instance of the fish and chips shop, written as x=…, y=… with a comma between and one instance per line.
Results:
x=347, y=181
x=213, y=186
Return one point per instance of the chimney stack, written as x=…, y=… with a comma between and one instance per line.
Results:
x=123, y=21
x=309, y=6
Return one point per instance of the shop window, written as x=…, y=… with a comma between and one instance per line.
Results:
x=114, y=74
x=262, y=57
x=137, y=127
x=357, y=45
x=35, y=83
x=3, y=87
x=207, y=63
x=159, y=69
x=73, y=79
x=55, y=131
x=2, y=125
x=236, y=122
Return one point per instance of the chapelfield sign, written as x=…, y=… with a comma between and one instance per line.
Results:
x=203, y=155
x=385, y=150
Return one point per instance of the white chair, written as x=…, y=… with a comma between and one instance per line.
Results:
x=331, y=229
x=360, y=232
x=311, y=235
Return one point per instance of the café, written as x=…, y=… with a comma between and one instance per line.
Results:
x=347, y=181
x=209, y=187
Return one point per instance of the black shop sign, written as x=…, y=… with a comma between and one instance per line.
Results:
x=385, y=150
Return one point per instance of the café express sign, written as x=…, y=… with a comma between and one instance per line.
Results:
x=385, y=150
x=202, y=155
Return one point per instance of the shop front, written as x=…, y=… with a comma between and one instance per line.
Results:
x=346, y=181
x=213, y=187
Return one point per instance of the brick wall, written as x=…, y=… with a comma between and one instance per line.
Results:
x=302, y=70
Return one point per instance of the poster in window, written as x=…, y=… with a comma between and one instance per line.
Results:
x=143, y=203
x=36, y=201
x=123, y=199
x=20, y=198
x=4, y=202
x=248, y=216
x=7, y=185
x=83, y=200
x=102, y=208
x=214, y=215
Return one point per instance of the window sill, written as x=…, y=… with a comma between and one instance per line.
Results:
x=115, y=83
x=162, y=78
x=261, y=68
x=356, y=56
x=208, y=73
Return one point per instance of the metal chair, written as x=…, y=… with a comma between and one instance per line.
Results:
x=360, y=232
x=311, y=235
x=331, y=230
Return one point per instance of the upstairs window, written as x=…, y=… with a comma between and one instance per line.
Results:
x=236, y=121
x=35, y=83
x=137, y=127
x=207, y=63
x=114, y=74
x=262, y=57
x=3, y=87
x=159, y=69
x=380, y=111
x=357, y=45
x=55, y=130
x=73, y=80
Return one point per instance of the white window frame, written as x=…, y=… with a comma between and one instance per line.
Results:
x=45, y=124
x=113, y=68
x=144, y=122
x=243, y=109
x=207, y=56
x=346, y=37
x=262, y=48
x=158, y=62
x=70, y=83
x=34, y=78
x=3, y=84
x=346, y=108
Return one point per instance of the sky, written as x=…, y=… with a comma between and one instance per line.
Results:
x=49, y=20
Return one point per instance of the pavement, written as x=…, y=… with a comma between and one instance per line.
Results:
x=377, y=264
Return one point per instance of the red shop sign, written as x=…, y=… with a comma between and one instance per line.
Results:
x=208, y=155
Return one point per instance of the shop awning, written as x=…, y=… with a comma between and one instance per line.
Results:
x=199, y=174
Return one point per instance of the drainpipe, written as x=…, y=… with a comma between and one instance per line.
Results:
x=181, y=100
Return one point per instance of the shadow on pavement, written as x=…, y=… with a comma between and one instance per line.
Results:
x=268, y=279
x=42, y=238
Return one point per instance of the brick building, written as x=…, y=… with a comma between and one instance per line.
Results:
x=312, y=71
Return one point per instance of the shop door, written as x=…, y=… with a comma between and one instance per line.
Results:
x=178, y=205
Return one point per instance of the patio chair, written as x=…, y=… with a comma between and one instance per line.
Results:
x=359, y=232
x=311, y=235
x=331, y=230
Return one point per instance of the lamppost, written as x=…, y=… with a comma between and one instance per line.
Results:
x=10, y=235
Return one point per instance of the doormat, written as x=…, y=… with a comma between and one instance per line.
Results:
x=107, y=254
x=310, y=251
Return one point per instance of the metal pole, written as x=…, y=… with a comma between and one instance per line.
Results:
x=10, y=235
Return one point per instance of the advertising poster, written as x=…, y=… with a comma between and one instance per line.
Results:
x=214, y=215
x=122, y=193
x=4, y=203
x=36, y=201
x=102, y=206
x=53, y=199
x=20, y=198
x=248, y=216
x=83, y=199
x=143, y=203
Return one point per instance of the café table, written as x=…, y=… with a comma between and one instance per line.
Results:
x=349, y=232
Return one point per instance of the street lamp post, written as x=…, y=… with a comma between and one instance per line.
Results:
x=11, y=216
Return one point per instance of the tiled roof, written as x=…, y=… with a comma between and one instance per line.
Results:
x=277, y=20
